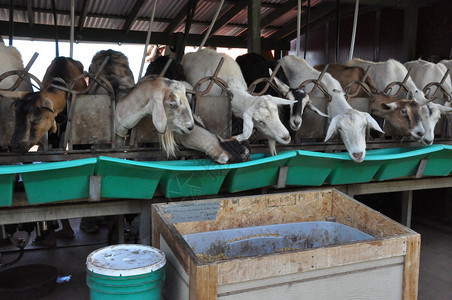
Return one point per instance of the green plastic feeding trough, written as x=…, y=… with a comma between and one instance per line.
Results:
x=7, y=176
x=440, y=162
x=57, y=181
x=310, y=168
x=401, y=162
x=348, y=171
x=261, y=171
x=195, y=177
x=125, y=271
x=127, y=179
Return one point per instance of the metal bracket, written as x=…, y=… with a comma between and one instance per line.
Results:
x=282, y=177
x=95, y=183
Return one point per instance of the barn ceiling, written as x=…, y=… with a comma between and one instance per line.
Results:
x=128, y=21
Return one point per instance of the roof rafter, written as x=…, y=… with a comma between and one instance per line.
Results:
x=84, y=13
x=228, y=16
x=178, y=19
x=316, y=13
x=31, y=19
x=133, y=15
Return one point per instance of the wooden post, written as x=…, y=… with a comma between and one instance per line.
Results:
x=410, y=32
x=411, y=267
x=407, y=204
x=254, y=25
x=145, y=222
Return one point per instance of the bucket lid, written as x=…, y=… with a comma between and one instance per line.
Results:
x=125, y=260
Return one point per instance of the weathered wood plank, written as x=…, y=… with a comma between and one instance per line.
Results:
x=411, y=267
x=203, y=281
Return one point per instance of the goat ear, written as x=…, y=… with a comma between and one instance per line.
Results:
x=281, y=85
x=281, y=101
x=373, y=124
x=248, y=126
x=159, y=117
x=444, y=109
x=332, y=128
x=47, y=104
x=389, y=107
x=315, y=109
x=54, y=127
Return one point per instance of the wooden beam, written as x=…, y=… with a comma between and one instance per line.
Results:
x=277, y=13
x=178, y=19
x=410, y=33
x=385, y=3
x=134, y=37
x=254, y=26
x=133, y=15
x=31, y=18
x=227, y=16
x=84, y=13
x=316, y=13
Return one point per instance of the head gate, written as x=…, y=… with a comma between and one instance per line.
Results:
x=317, y=84
x=22, y=74
x=361, y=85
x=98, y=80
x=269, y=82
x=402, y=87
x=439, y=89
x=212, y=79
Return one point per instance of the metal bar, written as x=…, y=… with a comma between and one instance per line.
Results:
x=377, y=35
x=148, y=38
x=282, y=177
x=338, y=22
x=95, y=188
x=407, y=207
x=308, y=12
x=11, y=22
x=211, y=25
x=165, y=68
x=57, y=51
x=355, y=24
x=298, y=28
x=120, y=226
x=326, y=56
x=145, y=222
x=71, y=42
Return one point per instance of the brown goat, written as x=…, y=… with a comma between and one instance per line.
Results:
x=402, y=114
x=36, y=112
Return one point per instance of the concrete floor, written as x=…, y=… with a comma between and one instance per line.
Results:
x=69, y=257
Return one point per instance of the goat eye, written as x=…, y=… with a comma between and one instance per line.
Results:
x=173, y=104
x=35, y=121
x=403, y=111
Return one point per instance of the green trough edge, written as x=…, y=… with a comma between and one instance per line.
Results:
x=293, y=159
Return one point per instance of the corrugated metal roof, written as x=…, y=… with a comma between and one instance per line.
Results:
x=116, y=14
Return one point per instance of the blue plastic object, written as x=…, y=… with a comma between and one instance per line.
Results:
x=266, y=239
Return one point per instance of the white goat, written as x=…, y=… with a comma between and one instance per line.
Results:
x=256, y=111
x=162, y=98
x=12, y=60
x=384, y=73
x=423, y=73
x=447, y=63
x=350, y=123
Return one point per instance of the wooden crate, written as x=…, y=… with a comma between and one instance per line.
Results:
x=386, y=267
